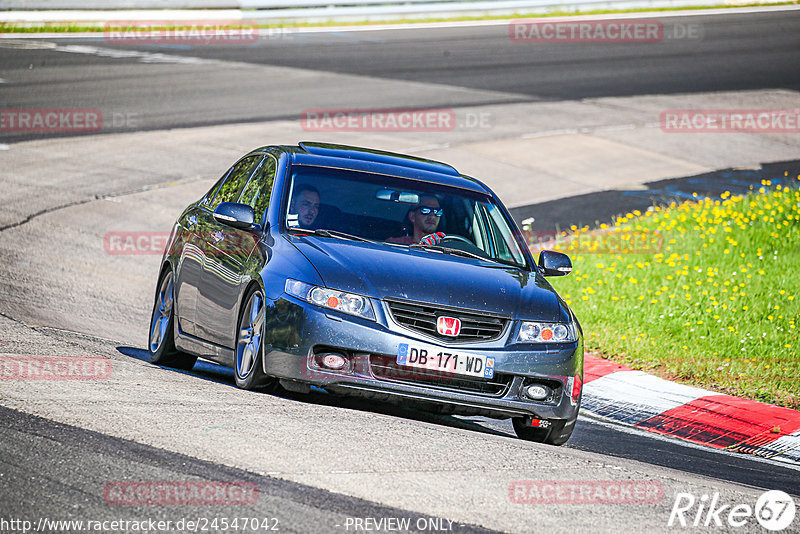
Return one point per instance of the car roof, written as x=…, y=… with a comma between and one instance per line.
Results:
x=379, y=162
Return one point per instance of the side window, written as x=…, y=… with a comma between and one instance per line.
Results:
x=209, y=196
x=506, y=243
x=257, y=191
x=230, y=189
x=477, y=233
x=502, y=248
x=480, y=229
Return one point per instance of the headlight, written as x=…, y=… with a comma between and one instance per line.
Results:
x=331, y=298
x=531, y=332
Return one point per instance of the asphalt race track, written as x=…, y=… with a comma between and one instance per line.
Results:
x=480, y=66
x=175, y=116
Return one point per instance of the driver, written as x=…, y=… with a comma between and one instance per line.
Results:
x=305, y=203
x=424, y=219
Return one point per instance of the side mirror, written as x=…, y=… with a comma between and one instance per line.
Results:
x=555, y=263
x=237, y=215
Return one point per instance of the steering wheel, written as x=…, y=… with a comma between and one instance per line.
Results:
x=468, y=246
x=456, y=237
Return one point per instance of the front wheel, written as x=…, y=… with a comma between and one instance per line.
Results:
x=161, y=345
x=248, y=365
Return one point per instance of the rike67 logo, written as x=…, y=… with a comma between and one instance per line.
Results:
x=774, y=510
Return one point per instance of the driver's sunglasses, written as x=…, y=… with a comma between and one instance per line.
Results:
x=427, y=211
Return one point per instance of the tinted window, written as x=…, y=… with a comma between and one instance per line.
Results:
x=378, y=208
x=257, y=191
x=506, y=246
x=209, y=196
x=233, y=185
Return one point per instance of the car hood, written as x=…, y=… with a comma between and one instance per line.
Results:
x=384, y=271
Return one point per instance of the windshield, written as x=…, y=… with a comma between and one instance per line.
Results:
x=399, y=212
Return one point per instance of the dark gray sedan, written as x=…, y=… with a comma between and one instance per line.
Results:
x=373, y=274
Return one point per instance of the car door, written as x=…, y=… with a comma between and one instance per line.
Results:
x=225, y=251
x=231, y=255
x=190, y=263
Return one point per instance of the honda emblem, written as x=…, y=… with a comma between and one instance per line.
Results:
x=448, y=326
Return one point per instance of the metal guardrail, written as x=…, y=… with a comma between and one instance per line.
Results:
x=38, y=11
x=103, y=5
x=110, y=5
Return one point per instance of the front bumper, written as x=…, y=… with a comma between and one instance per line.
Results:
x=296, y=331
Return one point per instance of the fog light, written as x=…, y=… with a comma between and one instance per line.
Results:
x=334, y=361
x=536, y=392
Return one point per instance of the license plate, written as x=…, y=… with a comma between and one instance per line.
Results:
x=446, y=360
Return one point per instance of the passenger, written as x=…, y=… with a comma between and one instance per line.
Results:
x=424, y=219
x=305, y=203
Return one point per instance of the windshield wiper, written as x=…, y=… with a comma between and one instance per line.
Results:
x=332, y=233
x=453, y=251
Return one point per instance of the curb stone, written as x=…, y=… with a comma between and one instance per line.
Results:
x=644, y=401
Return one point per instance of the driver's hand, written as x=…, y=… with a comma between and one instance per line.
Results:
x=432, y=239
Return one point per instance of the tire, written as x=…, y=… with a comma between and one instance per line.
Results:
x=558, y=433
x=161, y=339
x=248, y=366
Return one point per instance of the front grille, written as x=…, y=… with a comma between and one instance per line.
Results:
x=386, y=368
x=423, y=317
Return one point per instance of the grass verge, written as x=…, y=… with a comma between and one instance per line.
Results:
x=703, y=292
